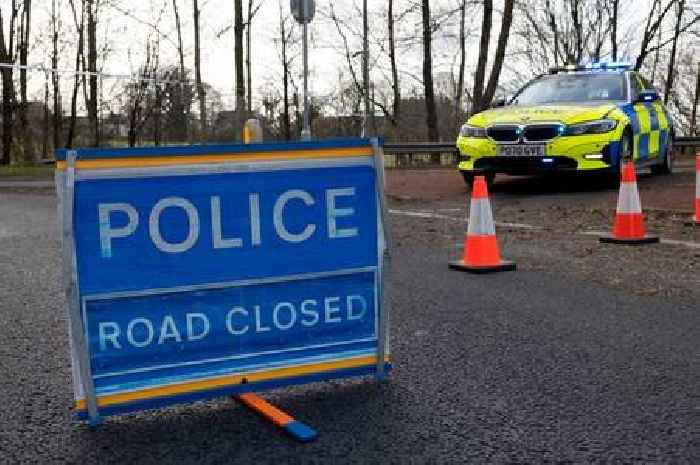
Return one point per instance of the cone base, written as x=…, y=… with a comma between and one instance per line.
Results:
x=460, y=265
x=647, y=239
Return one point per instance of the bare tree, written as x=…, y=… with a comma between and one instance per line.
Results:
x=395, y=84
x=7, y=55
x=480, y=73
x=680, y=9
x=79, y=25
x=651, y=28
x=251, y=12
x=23, y=45
x=459, y=90
x=482, y=97
x=55, y=77
x=238, y=58
x=431, y=115
x=91, y=7
x=183, y=112
x=615, y=4
x=285, y=37
x=696, y=100
x=201, y=93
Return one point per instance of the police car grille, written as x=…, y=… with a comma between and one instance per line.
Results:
x=503, y=133
x=541, y=132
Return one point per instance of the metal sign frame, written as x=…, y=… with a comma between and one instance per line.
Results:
x=75, y=166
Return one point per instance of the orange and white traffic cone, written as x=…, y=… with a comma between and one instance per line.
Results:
x=481, y=254
x=629, y=221
x=696, y=218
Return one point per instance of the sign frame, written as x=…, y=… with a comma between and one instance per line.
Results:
x=74, y=166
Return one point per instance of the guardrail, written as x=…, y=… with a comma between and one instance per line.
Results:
x=687, y=141
x=415, y=154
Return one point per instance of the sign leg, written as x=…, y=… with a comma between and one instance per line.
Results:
x=296, y=429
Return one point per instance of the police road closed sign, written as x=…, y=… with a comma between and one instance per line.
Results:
x=201, y=271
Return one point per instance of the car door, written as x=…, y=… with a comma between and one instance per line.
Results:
x=646, y=118
x=659, y=121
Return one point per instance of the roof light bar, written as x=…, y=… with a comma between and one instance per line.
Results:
x=594, y=66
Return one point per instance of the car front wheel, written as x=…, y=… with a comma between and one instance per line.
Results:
x=666, y=165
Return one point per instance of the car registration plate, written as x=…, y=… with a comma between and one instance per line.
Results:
x=520, y=150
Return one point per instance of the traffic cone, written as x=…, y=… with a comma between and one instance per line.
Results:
x=629, y=221
x=696, y=219
x=481, y=254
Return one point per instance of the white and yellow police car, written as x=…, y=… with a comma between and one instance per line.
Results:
x=576, y=118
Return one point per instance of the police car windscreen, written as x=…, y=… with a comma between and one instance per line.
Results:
x=572, y=88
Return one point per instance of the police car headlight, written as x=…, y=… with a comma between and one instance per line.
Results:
x=591, y=127
x=468, y=130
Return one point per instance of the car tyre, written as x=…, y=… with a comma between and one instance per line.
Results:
x=666, y=165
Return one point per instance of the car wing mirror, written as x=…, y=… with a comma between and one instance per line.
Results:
x=647, y=96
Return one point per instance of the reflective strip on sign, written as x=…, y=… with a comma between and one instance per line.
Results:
x=628, y=199
x=480, y=218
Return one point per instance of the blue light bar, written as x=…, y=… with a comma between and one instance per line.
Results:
x=605, y=65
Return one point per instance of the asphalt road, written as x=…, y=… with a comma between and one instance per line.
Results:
x=535, y=366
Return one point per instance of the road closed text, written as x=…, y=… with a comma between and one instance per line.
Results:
x=252, y=320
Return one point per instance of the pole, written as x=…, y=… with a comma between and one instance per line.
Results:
x=306, y=132
x=365, y=69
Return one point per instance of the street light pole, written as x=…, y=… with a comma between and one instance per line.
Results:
x=303, y=11
x=306, y=132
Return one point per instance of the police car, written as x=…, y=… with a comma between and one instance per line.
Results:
x=576, y=119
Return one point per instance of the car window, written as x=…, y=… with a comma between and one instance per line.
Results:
x=583, y=87
x=645, y=83
x=635, y=87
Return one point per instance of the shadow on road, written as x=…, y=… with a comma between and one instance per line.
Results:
x=560, y=183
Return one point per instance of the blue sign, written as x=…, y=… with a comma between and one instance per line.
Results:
x=203, y=271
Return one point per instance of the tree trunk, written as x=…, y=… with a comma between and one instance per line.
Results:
x=201, y=94
x=462, y=61
x=157, y=115
x=8, y=103
x=25, y=23
x=55, y=80
x=92, y=69
x=45, y=132
x=613, y=31
x=238, y=58
x=8, y=85
x=248, y=69
x=694, y=117
x=672, y=60
x=431, y=116
x=394, y=70
x=480, y=74
x=285, y=73
x=500, y=54
x=76, y=83
x=182, y=112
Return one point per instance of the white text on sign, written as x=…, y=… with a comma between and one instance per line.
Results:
x=109, y=232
